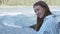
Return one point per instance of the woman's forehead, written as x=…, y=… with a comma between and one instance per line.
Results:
x=38, y=7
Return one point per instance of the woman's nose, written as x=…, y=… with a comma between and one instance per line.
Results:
x=37, y=12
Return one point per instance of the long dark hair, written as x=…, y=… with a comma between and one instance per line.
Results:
x=47, y=12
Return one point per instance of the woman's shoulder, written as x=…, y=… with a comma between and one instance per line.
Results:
x=50, y=18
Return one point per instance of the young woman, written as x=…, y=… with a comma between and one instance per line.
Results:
x=46, y=22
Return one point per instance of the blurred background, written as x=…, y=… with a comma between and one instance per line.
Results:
x=17, y=15
x=27, y=2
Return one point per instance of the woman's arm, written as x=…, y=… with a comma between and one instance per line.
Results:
x=33, y=26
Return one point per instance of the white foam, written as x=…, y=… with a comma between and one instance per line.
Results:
x=11, y=14
x=12, y=25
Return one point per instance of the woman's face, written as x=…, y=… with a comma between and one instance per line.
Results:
x=40, y=11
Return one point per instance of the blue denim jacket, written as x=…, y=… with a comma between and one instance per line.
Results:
x=49, y=26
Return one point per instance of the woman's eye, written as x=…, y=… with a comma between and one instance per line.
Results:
x=37, y=10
